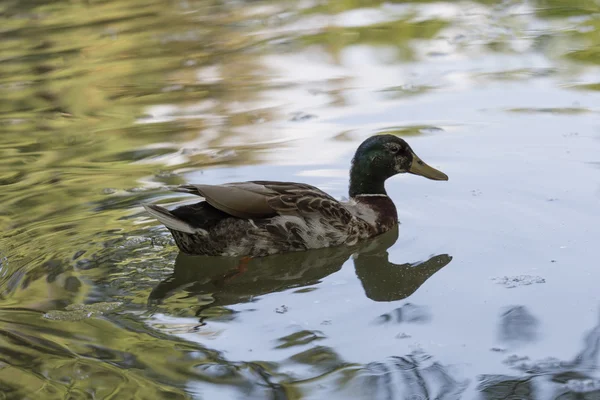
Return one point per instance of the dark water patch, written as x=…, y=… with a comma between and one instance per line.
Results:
x=554, y=110
x=408, y=313
x=520, y=74
x=300, y=338
x=414, y=376
x=518, y=325
x=559, y=379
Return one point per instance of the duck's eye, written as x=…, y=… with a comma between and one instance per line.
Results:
x=393, y=148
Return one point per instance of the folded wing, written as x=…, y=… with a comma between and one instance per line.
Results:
x=265, y=199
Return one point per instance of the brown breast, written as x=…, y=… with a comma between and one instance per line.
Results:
x=387, y=216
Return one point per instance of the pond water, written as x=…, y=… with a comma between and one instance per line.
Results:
x=488, y=289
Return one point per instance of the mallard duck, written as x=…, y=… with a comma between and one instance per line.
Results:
x=260, y=218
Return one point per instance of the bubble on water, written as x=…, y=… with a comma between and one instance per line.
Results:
x=518, y=280
x=281, y=310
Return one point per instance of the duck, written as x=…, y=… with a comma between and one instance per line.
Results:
x=261, y=218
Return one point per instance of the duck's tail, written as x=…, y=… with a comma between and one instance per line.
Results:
x=171, y=221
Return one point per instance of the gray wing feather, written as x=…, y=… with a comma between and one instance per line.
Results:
x=264, y=199
x=242, y=201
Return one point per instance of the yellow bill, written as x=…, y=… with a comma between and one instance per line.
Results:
x=418, y=167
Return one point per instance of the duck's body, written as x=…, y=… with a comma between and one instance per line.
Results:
x=295, y=217
x=260, y=218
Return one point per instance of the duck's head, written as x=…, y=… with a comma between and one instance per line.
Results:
x=381, y=157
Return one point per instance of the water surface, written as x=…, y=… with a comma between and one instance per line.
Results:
x=487, y=290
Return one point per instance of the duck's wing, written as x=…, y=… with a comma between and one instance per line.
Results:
x=264, y=199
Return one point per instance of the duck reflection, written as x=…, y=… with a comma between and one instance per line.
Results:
x=222, y=278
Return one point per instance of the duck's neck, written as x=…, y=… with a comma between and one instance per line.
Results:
x=368, y=189
x=364, y=183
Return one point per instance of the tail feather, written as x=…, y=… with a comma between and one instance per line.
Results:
x=165, y=217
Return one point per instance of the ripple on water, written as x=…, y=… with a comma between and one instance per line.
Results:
x=106, y=104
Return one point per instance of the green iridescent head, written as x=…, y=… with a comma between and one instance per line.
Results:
x=381, y=157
